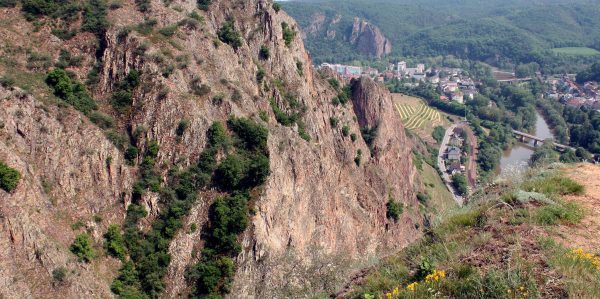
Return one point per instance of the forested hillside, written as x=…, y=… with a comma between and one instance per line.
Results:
x=499, y=32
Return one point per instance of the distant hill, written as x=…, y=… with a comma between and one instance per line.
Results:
x=491, y=30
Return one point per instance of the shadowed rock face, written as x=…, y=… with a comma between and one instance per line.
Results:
x=368, y=39
x=318, y=207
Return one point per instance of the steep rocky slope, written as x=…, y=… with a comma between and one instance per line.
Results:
x=368, y=39
x=318, y=207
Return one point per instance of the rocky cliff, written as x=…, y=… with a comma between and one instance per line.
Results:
x=369, y=40
x=318, y=207
x=361, y=36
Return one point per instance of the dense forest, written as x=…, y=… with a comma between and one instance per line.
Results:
x=503, y=33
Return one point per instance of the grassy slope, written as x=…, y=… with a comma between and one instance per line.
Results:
x=506, y=245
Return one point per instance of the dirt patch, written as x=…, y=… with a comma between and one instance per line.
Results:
x=586, y=234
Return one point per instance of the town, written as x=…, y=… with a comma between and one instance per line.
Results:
x=452, y=84
x=566, y=90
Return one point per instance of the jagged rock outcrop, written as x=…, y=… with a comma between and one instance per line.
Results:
x=368, y=39
x=318, y=207
x=70, y=173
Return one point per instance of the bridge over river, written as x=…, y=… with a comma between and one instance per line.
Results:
x=537, y=140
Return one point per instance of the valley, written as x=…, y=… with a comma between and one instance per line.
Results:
x=348, y=149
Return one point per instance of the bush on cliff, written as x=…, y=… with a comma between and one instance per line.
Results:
x=9, y=178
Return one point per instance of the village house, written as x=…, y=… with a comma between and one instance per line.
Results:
x=453, y=153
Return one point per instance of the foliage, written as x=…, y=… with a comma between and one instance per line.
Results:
x=59, y=274
x=114, y=243
x=394, y=210
x=9, y=177
x=142, y=275
x=264, y=53
x=345, y=130
x=82, y=248
x=565, y=213
x=288, y=33
x=591, y=74
x=228, y=35
x=544, y=155
x=459, y=182
x=369, y=135
x=276, y=6
x=204, y=4
x=122, y=98
x=70, y=91
x=94, y=17
x=438, y=133
x=8, y=3
x=519, y=33
x=553, y=185
x=143, y=5
x=423, y=198
x=181, y=127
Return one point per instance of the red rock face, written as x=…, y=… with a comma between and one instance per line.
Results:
x=318, y=215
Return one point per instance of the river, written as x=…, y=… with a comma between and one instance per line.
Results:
x=519, y=154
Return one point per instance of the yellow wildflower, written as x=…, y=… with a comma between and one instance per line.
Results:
x=521, y=288
x=396, y=291
x=389, y=295
x=509, y=291
x=412, y=286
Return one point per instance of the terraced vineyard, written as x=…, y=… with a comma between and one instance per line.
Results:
x=416, y=116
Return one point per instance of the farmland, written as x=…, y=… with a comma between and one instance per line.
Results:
x=415, y=114
x=576, y=51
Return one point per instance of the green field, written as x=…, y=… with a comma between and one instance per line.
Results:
x=576, y=51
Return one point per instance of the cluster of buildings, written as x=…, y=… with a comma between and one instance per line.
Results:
x=453, y=155
x=567, y=91
x=452, y=84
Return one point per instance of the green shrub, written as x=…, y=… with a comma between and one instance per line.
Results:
x=353, y=137
x=145, y=27
x=252, y=135
x=394, y=210
x=169, y=30
x=358, y=157
x=276, y=7
x=82, y=248
x=345, y=130
x=94, y=17
x=181, y=127
x=228, y=35
x=74, y=93
x=260, y=74
x=102, y=120
x=59, y=274
x=459, y=182
x=8, y=3
x=288, y=33
x=143, y=5
x=264, y=52
x=7, y=81
x=438, y=133
x=264, y=116
x=333, y=121
x=114, y=243
x=131, y=154
x=204, y=4
x=422, y=198
x=9, y=177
